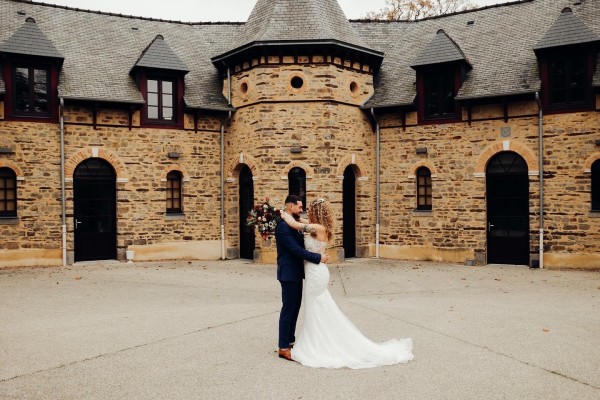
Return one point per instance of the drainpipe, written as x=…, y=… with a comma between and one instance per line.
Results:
x=541, y=169
x=62, y=182
x=225, y=122
x=377, y=169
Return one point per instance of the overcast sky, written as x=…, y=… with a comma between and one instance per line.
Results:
x=212, y=10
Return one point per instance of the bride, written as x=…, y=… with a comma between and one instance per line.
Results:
x=328, y=338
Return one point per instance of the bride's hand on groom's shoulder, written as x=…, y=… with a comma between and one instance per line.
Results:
x=287, y=217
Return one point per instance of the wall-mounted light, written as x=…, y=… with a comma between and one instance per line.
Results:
x=174, y=154
x=296, y=150
x=421, y=150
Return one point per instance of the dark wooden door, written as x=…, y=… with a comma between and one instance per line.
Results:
x=246, y=198
x=507, y=187
x=95, y=206
x=349, y=213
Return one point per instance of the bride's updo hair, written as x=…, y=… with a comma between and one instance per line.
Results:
x=319, y=212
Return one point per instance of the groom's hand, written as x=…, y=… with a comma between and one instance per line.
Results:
x=324, y=258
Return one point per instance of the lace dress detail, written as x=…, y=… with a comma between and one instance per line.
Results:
x=328, y=338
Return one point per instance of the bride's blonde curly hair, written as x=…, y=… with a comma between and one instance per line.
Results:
x=320, y=213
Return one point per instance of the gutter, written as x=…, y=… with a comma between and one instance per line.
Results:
x=377, y=169
x=62, y=181
x=222, y=166
x=541, y=172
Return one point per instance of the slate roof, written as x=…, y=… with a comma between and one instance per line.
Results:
x=284, y=20
x=441, y=49
x=30, y=40
x=159, y=55
x=567, y=30
x=100, y=49
x=299, y=22
x=499, y=45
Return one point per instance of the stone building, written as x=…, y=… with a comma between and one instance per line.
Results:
x=123, y=135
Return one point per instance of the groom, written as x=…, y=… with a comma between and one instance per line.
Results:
x=290, y=273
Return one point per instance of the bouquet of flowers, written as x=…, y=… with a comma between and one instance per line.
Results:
x=265, y=217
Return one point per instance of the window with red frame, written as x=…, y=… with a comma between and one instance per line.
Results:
x=8, y=193
x=439, y=94
x=568, y=80
x=30, y=93
x=162, y=99
x=424, y=189
x=174, y=193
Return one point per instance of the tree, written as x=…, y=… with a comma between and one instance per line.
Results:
x=405, y=10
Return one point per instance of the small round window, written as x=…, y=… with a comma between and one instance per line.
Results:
x=244, y=87
x=354, y=88
x=297, y=82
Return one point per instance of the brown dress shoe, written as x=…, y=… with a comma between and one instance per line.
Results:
x=285, y=353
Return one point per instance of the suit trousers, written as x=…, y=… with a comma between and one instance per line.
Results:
x=291, y=297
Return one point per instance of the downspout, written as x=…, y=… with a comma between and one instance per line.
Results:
x=225, y=122
x=541, y=172
x=62, y=181
x=377, y=160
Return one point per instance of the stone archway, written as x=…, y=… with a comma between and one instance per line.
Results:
x=96, y=152
x=505, y=145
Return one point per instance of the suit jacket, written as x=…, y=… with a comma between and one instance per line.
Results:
x=291, y=253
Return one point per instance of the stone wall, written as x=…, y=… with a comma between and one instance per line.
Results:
x=34, y=237
x=457, y=154
x=140, y=158
x=321, y=117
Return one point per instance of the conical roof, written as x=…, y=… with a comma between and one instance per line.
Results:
x=30, y=40
x=298, y=24
x=159, y=55
x=567, y=30
x=441, y=49
x=294, y=20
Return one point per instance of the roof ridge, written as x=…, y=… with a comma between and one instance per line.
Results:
x=111, y=14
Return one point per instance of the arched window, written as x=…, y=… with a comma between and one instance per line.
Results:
x=297, y=183
x=174, y=193
x=424, y=191
x=8, y=193
x=596, y=186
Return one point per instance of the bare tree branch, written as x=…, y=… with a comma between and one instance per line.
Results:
x=410, y=10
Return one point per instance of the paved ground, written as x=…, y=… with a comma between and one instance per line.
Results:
x=207, y=330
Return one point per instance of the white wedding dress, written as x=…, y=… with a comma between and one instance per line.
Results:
x=328, y=339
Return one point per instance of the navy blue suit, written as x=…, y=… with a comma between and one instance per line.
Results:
x=290, y=273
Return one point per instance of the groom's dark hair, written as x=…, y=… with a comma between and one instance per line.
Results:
x=292, y=198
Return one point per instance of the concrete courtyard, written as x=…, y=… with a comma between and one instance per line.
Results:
x=207, y=330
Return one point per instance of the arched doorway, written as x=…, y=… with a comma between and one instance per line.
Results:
x=95, y=210
x=349, y=212
x=507, y=192
x=246, y=202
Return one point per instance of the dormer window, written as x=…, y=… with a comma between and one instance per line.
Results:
x=566, y=56
x=439, y=93
x=161, y=100
x=567, y=79
x=440, y=66
x=30, y=71
x=31, y=88
x=160, y=74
